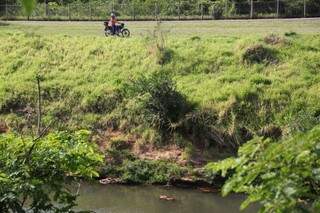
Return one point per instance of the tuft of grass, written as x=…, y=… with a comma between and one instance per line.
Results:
x=273, y=39
x=291, y=33
x=259, y=54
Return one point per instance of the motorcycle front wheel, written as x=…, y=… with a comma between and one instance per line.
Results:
x=125, y=33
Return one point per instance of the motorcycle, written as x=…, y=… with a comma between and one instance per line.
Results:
x=119, y=31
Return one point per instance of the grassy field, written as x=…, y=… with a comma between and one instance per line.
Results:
x=217, y=85
x=185, y=28
x=246, y=81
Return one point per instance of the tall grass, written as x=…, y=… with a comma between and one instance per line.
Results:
x=86, y=79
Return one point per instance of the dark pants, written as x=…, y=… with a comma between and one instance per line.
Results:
x=113, y=29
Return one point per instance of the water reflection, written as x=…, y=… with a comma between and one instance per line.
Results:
x=145, y=199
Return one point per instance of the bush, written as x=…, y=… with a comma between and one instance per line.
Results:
x=101, y=101
x=259, y=54
x=34, y=172
x=283, y=176
x=201, y=126
x=143, y=171
x=155, y=101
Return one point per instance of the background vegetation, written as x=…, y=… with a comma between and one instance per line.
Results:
x=173, y=9
x=185, y=29
x=198, y=93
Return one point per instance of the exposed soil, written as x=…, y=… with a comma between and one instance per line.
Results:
x=3, y=127
x=172, y=153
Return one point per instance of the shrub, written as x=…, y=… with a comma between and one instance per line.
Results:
x=201, y=126
x=101, y=101
x=259, y=54
x=283, y=176
x=155, y=101
x=143, y=171
x=34, y=172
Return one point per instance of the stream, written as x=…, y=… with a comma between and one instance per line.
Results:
x=145, y=199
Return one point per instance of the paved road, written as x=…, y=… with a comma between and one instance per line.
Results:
x=176, y=28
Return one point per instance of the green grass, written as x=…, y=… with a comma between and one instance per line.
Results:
x=184, y=28
x=86, y=80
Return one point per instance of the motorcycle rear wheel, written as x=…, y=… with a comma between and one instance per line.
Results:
x=107, y=33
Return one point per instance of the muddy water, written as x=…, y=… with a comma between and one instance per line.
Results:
x=145, y=199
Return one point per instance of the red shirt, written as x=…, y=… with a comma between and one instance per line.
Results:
x=113, y=21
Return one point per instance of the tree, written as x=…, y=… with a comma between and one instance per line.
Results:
x=284, y=176
x=34, y=173
x=28, y=6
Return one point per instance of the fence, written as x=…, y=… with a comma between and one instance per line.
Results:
x=183, y=10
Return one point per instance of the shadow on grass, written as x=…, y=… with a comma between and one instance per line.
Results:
x=2, y=24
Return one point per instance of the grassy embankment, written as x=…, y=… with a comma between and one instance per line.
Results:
x=195, y=95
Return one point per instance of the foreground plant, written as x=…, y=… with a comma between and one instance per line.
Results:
x=34, y=175
x=283, y=176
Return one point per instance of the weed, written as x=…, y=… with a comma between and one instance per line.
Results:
x=259, y=54
x=271, y=131
x=291, y=33
x=195, y=38
x=273, y=39
x=158, y=47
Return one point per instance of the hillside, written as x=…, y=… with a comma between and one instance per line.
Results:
x=198, y=94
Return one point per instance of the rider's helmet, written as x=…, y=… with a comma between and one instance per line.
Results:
x=113, y=15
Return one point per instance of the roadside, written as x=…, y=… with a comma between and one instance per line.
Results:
x=177, y=28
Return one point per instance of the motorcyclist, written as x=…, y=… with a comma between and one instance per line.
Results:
x=113, y=23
